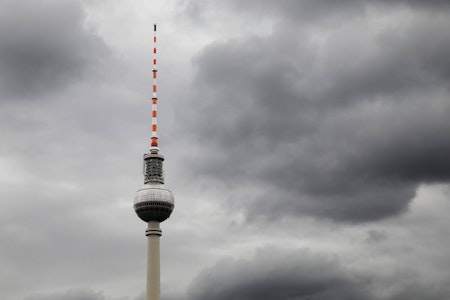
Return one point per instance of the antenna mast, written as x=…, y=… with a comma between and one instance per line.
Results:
x=154, y=145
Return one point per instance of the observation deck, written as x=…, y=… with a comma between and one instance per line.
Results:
x=153, y=202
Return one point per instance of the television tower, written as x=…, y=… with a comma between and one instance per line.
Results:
x=153, y=203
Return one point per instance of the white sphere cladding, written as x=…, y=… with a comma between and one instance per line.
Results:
x=153, y=202
x=153, y=192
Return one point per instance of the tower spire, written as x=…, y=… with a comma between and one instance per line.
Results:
x=154, y=144
x=154, y=202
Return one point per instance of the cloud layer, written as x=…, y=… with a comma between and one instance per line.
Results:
x=273, y=273
x=343, y=122
x=44, y=46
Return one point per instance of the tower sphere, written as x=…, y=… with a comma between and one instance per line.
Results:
x=153, y=202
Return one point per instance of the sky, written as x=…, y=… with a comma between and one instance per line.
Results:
x=306, y=141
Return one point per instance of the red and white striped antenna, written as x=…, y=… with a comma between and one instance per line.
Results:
x=154, y=145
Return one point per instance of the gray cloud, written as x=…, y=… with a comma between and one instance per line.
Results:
x=275, y=274
x=75, y=294
x=345, y=128
x=376, y=236
x=310, y=10
x=301, y=274
x=50, y=154
x=309, y=13
x=44, y=46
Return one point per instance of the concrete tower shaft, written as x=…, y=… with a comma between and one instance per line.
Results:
x=153, y=261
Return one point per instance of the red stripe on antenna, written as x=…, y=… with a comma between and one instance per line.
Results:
x=154, y=145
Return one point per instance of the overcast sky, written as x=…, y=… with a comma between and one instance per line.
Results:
x=307, y=144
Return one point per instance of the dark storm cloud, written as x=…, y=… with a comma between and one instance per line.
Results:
x=345, y=128
x=324, y=8
x=44, y=46
x=310, y=12
x=304, y=10
x=301, y=274
x=274, y=274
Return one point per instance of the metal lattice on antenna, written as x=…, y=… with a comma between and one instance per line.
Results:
x=154, y=145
